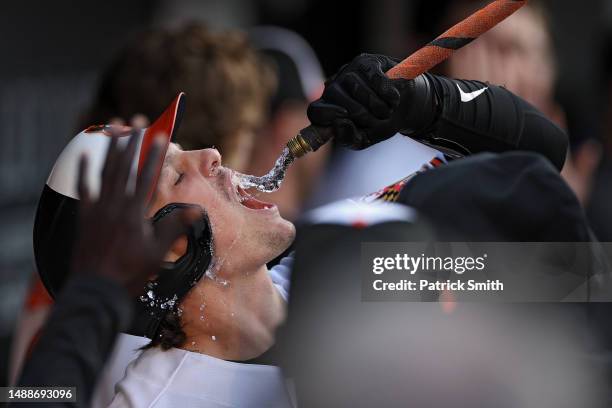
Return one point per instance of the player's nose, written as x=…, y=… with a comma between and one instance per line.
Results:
x=210, y=159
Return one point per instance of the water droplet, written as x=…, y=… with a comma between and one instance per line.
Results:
x=150, y=294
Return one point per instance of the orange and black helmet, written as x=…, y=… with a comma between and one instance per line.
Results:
x=56, y=218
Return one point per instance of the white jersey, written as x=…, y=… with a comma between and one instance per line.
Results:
x=181, y=378
x=127, y=347
x=358, y=173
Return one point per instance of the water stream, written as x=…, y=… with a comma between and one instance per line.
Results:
x=271, y=181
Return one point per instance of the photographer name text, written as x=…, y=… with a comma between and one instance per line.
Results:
x=419, y=264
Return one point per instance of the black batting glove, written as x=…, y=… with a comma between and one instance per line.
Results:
x=364, y=107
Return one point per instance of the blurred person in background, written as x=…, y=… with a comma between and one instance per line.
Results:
x=227, y=84
x=519, y=54
x=300, y=81
x=599, y=207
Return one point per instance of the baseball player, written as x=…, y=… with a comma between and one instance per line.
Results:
x=210, y=309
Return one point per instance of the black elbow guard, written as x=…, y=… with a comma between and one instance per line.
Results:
x=474, y=117
x=542, y=136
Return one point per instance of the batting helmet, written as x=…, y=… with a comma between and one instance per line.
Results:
x=56, y=219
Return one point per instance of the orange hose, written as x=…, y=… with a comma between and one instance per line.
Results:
x=312, y=137
x=460, y=35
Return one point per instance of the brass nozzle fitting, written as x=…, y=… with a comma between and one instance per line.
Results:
x=298, y=146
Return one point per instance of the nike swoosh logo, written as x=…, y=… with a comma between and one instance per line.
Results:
x=468, y=97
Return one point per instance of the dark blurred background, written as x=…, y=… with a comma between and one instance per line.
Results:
x=54, y=52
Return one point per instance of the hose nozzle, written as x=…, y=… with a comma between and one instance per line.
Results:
x=310, y=139
x=298, y=146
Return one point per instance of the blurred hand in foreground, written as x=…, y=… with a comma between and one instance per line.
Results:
x=115, y=239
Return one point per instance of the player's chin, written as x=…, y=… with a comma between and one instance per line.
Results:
x=281, y=236
x=284, y=229
x=290, y=231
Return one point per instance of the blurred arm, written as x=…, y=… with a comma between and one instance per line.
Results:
x=78, y=337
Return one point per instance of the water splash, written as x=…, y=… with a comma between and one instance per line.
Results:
x=271, y=181
x=155, y=302
x=169, y=303
x=217, y=263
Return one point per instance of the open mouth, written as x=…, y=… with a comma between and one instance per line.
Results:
x=251, y=202
x=243, y=197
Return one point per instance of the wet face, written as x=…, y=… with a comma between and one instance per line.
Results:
x=247, y=231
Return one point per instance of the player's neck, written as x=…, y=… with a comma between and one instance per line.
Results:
x=233, y=319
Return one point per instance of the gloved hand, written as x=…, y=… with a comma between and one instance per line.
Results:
x=363, y=106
